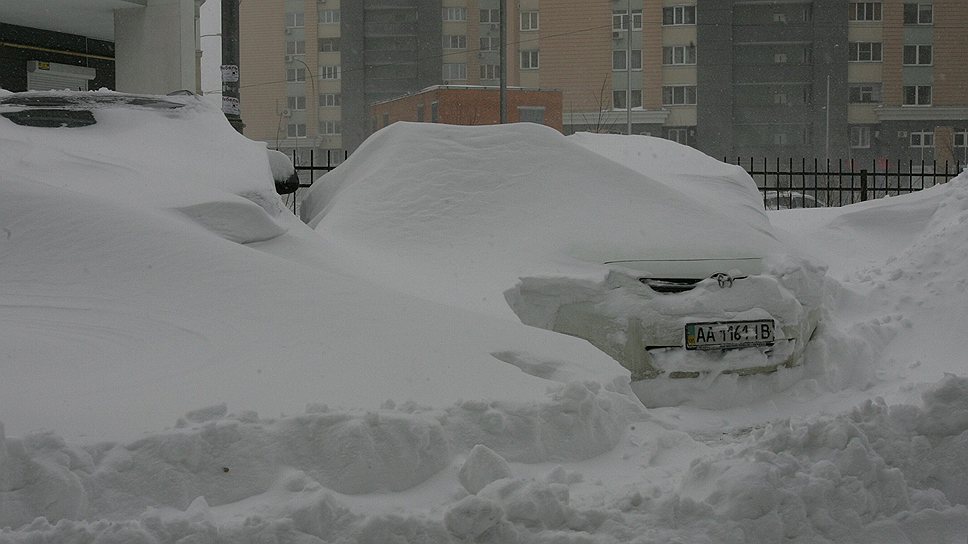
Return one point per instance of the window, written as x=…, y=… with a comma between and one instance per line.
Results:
x=490, y=43
x=679, y=15
x=529, y=20
x=490, y=16
x=328, y=44
x=529, y=60
x=678, y=95
x=296, y=130
x=618, y=99
x=329, y=16
x=961, y=139
x=295, y=20
x=860, y=137
x=779, y=18
x=917, y=55
x=296, y=47
x=619, y=59
x=330, y=128
x=918, y=14
x=865, y=11
x=924, y=138
x=295, y=75
x=620, y=19
x=865, y=93
x=455, y=71
x=780, y=98
x=329, y=72
x=455, y=41
x=917, y=95
x=780, y=138
x=679, y=54
x=780, y=58
x=420, y=113
x=531, y=114
x=329, y=100
x=434, y=112
x=864, y=51
x=455, y=14
x=678, y=135
x=296, y=103
x=490, y=71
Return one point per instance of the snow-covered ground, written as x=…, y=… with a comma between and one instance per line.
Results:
x=160, y=382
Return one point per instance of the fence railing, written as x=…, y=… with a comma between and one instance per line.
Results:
x=807, y=184
x=309, y=172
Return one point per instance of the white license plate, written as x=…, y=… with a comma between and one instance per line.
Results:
x=729, y=334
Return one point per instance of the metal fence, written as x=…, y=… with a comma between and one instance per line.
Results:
x=309, y=172
x=809, y=184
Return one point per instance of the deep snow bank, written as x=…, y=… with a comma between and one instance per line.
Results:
x=228, y=458
x=879, y=473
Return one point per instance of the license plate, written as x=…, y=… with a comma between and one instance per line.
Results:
x=729, y=334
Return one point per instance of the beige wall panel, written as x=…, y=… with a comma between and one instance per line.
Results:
x=951, y=53
x=865, y=72
x=865, y=32
x=893, y=47
x=576, y=52
x=862, y=114
x=682, y=116
x=677, y=35
x=262, y=50
x=679, y=75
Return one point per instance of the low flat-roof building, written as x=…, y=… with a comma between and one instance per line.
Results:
x=470, y=105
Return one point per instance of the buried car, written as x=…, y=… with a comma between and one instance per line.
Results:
x=198, y=167
x=668, y=263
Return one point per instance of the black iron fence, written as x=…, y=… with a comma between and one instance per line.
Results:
x=808, y=184
x=309, y=170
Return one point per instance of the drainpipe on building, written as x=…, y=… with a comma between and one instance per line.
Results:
x=230, y=64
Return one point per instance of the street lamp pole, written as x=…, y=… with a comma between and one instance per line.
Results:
x=628, y=71
x=504, y=62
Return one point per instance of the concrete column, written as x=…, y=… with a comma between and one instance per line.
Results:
x=155, y=47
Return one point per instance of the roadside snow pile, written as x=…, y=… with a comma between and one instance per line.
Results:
x=216, y=459
x=876, y=474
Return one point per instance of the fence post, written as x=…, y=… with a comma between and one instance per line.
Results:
x=863, y=184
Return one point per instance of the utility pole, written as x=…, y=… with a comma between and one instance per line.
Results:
x=230, y=63
x=504, y=62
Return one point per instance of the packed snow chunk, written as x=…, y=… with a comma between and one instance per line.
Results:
x=281, y=165
x=532, y=503
x=847, y=478
x=40, y=476
x=482, y=467
x=472, y=516
x=578, y=421
x=946, y=408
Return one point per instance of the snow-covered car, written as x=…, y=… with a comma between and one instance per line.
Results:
x=199, y=166
x=791, y=200
x=658, y=255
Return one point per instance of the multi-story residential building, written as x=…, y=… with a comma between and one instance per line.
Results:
x=790, y=78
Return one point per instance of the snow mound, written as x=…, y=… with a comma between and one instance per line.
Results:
x=457, y=214
x=227, y=458
x=683, y=168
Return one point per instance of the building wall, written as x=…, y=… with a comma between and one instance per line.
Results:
x=19, y=45
x=156, y=47
x=469, y=106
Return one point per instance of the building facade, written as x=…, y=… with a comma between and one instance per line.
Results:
x=860, y=81
x=470, y=105
x=139, y=46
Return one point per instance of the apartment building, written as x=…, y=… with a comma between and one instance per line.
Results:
x=764, y=78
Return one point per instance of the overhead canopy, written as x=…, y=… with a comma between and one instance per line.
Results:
x=91, y=18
